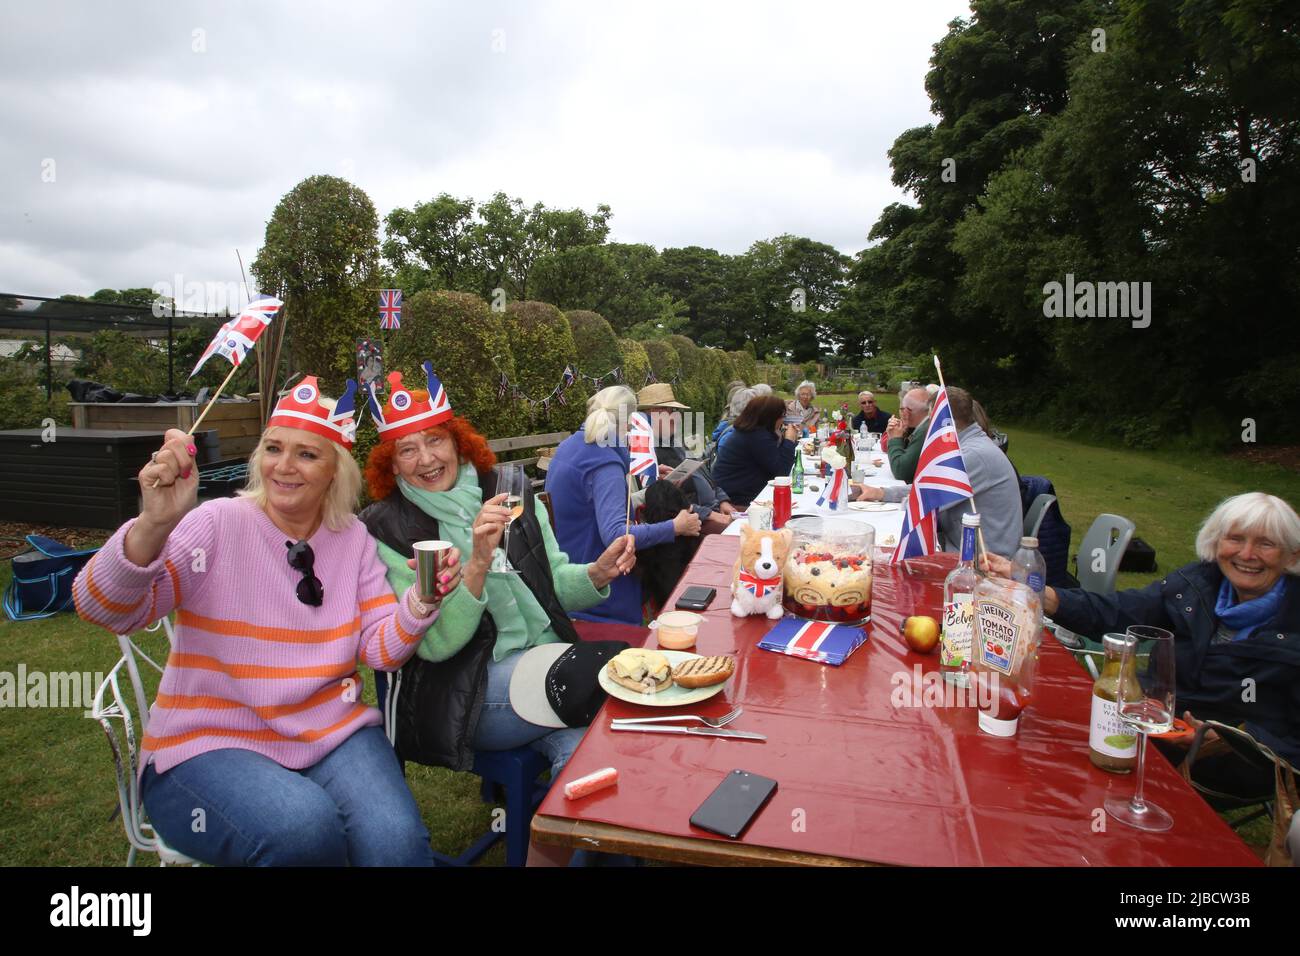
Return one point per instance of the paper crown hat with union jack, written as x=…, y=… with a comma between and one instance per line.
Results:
x=301, y=408
x=405, y=414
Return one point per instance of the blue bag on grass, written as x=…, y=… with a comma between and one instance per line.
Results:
x=42, y=579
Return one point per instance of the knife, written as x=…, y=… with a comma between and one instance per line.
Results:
x=697, y=731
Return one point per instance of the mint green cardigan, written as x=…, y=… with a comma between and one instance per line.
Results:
x=462, y=611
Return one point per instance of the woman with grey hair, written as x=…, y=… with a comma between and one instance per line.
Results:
x=1235, y=617
x=588, y=485
x=799, y=411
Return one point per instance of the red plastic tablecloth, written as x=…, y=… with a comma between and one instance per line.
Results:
x=861, y=778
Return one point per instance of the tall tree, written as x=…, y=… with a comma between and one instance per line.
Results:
x=436, y=237
x=1175, y=164
x=321, y=256
x=996, y=80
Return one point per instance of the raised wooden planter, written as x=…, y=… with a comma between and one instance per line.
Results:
x=238, y=424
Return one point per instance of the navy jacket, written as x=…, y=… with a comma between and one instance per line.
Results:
x=876, y=424
x=749, y=460
x=588, y=488
x=1053, y=534
x=1212, y=678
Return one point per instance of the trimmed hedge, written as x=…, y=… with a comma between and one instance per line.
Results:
x=715, y=374
x=693, y=389
x=322, y=333
x=460, y=335
x=597, y=345
x=636, y=363
x=542, y=343
x=531, y=342
x=745, y=366
x=664, y=361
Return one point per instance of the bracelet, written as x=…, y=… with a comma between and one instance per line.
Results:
x=418, y=607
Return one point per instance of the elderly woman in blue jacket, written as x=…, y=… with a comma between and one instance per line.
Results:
x=1235, y=617
x=588, y=486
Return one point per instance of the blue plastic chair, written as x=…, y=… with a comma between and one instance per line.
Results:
x=515, y=771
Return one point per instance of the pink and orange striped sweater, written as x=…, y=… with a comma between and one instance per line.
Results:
x=253, y=667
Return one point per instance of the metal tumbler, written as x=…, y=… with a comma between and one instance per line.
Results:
x=430, y=559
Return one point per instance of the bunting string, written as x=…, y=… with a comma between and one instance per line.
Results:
x=568, y=378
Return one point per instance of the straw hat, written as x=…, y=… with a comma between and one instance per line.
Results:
x=658, y=395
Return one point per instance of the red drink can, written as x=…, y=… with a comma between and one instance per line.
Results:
x=780, y=503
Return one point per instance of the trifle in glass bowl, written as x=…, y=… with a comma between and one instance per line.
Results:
x=828, y=573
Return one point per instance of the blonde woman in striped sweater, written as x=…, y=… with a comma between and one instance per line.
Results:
x=260, y=750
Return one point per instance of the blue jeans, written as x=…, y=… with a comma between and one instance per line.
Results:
x=500, y=728
x=352, y=807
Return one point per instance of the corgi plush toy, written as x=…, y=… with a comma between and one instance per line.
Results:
x=756, y=583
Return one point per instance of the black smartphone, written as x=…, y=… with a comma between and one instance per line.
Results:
x=734, y=802
x=695, y=598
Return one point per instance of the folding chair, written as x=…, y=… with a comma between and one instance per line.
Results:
x=1111, y=534
x=1034, y=516
x=122, y=742
x=1281, y=803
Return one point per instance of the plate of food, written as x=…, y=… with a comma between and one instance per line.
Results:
x=661, y=678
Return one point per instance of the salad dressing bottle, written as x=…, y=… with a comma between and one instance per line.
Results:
x=1112, y=745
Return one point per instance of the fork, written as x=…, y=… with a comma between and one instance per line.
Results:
x=714, y=722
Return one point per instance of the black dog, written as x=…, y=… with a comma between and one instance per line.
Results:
x=661, y=567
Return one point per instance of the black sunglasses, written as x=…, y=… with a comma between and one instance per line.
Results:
x=302, y=558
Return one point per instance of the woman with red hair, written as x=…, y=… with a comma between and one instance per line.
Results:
x=432, y=477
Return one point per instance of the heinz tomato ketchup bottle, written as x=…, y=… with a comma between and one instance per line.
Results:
x=1004, y=651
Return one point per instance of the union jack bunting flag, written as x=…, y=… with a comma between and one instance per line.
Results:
x=390, y=308
x=236, y=337
x=568, y=377
x=941, y=482
x=640, y=444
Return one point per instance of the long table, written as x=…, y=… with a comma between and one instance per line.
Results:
x=888, y=523
x=868, y=770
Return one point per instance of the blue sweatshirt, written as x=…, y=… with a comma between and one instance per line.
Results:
x=748, y=460
x=588, y=488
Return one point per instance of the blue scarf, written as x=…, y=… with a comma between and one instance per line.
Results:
x=1246, y=616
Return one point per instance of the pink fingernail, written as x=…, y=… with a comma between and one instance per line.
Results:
x=191, y=449
x=185, y=473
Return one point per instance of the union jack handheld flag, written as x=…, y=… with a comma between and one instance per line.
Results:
x=640, y=443
x=390, y=308
x=236, y=337
x=941, y=482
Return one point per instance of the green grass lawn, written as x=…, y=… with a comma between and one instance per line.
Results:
x=56, y=786
x=57, y=796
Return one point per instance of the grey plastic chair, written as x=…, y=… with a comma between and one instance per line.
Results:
x=1111, y=534
x=1034, y=516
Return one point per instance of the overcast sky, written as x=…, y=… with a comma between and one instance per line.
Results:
x=171, y=129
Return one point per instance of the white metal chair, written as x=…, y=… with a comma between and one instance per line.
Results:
x=123, y=743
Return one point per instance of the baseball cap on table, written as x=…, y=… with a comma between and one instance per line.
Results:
x=658, y=395
x=558, y=685
x=404, y=414
x=301, y=408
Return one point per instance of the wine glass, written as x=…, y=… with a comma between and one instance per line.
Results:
x=1147, y=708
x=513, y=481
